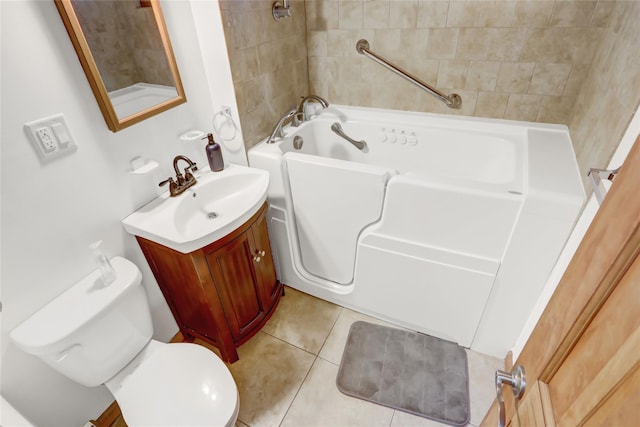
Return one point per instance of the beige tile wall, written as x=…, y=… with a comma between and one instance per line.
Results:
x=268, y=62
x=611, y=92
x=517, y=59
x=574, y=62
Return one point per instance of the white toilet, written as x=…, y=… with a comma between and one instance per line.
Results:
x=97, y=334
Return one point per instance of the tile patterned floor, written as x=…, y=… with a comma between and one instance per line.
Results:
x=286, y=373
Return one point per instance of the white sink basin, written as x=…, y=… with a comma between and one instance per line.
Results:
x=219, y=203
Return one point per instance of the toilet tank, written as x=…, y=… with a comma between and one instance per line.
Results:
x=91, y=331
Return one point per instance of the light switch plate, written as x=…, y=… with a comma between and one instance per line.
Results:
x=50, y=137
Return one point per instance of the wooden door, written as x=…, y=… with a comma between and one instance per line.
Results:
x=582, y=360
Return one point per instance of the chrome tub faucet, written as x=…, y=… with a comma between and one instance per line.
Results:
x=182, y=182
x=301, y=115
x=278, y=132
x=295, y=115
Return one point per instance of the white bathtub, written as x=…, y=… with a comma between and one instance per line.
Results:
x=445, y=225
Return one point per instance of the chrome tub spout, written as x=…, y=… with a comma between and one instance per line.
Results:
x=277, y=131
x=301, y=114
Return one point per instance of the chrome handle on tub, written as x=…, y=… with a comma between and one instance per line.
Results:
x=337, y=129
x=518, y=383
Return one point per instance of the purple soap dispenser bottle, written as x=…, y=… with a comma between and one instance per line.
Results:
x=214, y=154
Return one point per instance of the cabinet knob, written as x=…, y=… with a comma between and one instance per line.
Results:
x=256, y=258
x=262, y=253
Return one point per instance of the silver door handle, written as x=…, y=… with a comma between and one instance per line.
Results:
x=518, y=383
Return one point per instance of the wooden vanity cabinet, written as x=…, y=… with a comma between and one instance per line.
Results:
x=224, y=292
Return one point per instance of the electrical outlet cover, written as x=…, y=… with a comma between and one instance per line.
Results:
x=50, y=137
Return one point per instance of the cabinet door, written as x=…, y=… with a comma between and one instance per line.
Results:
x=268, y=281
x=237, y=284
x=188, y=294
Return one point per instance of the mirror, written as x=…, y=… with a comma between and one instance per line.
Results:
x=126, y=54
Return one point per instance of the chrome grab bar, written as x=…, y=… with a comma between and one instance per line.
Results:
x=518, y=383
x=337, y=129
x=452, y=101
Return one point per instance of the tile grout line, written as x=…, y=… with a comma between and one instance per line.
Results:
x=331, y=329
x=317, y=356
x=304, y=349
x=298, y=391
x=291, y=344
x=303, y=380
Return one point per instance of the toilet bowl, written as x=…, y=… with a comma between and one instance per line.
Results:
x=101, y=334
x=175, y=385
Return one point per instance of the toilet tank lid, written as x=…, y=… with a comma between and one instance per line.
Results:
x=86, y=300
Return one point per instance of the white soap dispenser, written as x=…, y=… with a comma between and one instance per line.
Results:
x=107, y=273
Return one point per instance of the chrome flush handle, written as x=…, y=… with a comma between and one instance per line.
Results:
x=518, y=383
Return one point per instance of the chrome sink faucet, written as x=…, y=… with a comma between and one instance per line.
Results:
x=182, y=181
x=301, y=115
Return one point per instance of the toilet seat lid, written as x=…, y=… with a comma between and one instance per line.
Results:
x=179, y=384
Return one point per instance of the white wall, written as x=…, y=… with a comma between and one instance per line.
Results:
x=51, y=212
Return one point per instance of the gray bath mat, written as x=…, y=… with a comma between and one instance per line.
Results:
x=404, y=370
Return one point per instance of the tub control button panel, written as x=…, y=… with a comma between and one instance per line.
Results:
x=397, y=136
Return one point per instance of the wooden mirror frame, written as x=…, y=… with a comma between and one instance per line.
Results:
x=72, y=24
